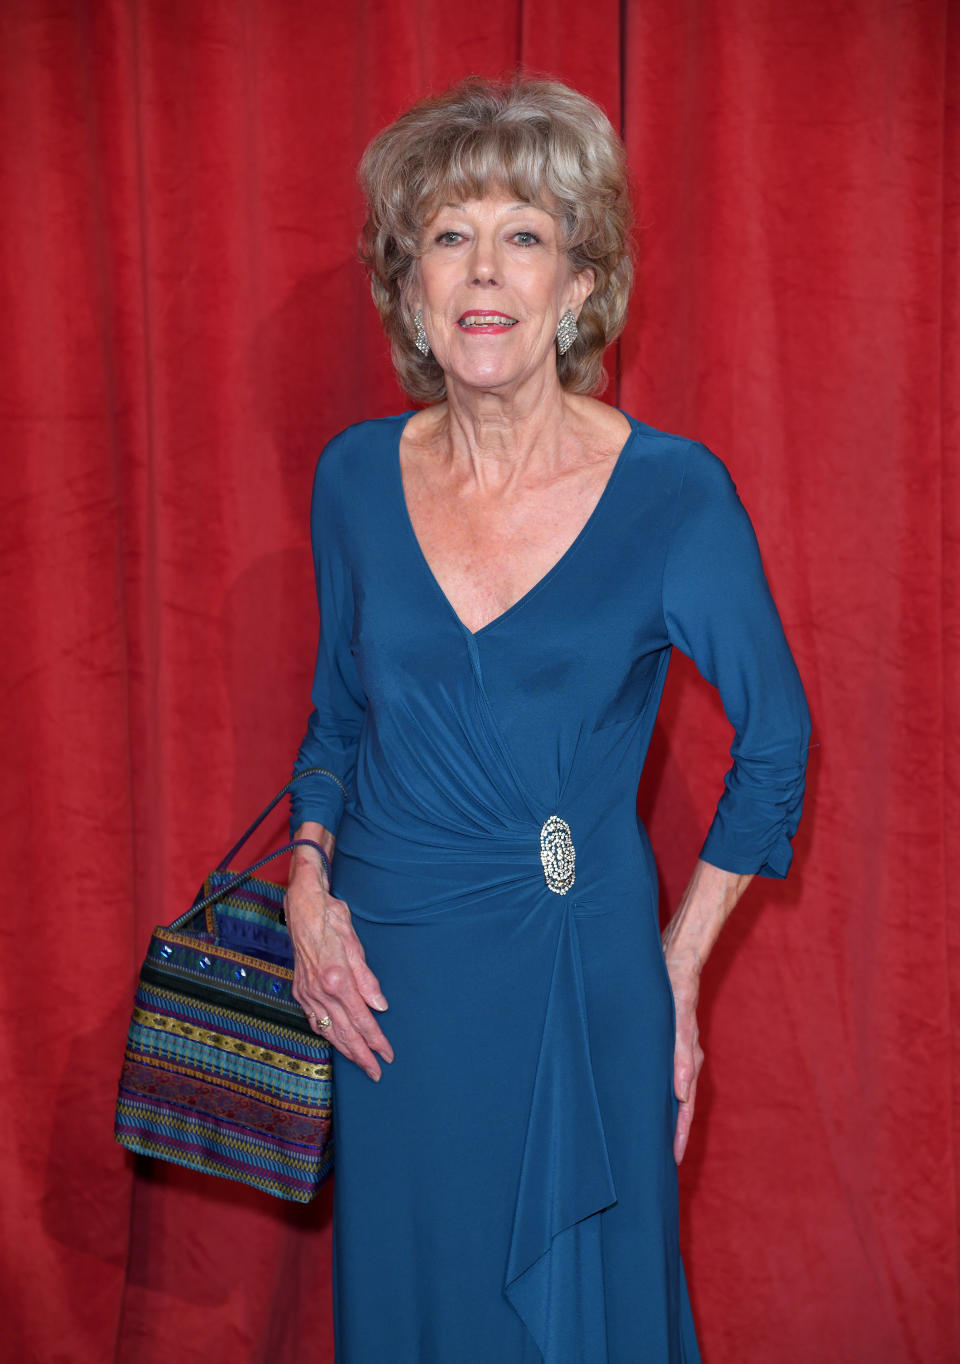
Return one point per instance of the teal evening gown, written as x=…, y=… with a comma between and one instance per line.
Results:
x=507, y=1193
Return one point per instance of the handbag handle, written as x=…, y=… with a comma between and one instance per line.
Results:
x=202, y=901
x=307, y=772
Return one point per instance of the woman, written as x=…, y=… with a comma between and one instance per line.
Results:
x=501, y=577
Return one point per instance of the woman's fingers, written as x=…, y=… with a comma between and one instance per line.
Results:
x=343, y=1034
x=369, y=986
x=688, y=1059
x=347, y=1031
x=366, y=981
x=687, y=1056
x=332, y=979
x=684, y=1120
x=357, y=1024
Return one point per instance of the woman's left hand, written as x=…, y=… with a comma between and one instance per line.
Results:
x=688, y=1053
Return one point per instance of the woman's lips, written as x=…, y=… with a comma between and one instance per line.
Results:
x=485, y=323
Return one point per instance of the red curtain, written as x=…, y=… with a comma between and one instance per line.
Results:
x=183, y=324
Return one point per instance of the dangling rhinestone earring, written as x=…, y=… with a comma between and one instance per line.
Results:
x=566, y=332
x=420, y=336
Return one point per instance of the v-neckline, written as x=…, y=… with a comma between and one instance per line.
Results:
x=551, y=572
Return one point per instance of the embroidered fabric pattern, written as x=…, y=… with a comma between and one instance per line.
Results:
x=222, y=1071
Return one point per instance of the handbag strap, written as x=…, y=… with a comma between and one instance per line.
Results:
x=307, y=772
x=201, y=902
x=234, y=881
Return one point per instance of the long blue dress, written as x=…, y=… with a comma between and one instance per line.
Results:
x=507, y=1193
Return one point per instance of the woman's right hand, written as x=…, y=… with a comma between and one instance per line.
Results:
x=331, y=977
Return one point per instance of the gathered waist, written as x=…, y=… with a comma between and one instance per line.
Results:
x=390, y=874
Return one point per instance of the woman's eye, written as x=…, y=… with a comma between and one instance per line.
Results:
x=526, y=238
x=449, y=238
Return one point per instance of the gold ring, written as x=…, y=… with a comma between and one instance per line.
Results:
x=323, y=1022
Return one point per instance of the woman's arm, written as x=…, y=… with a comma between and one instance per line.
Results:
x=687, y=941
x=718, y=610
x=331, y=976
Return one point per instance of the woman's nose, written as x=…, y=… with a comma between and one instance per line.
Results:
x=484, y=265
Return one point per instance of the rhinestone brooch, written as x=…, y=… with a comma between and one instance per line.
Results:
x=558, y=855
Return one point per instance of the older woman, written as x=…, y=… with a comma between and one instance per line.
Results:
x=501, y=577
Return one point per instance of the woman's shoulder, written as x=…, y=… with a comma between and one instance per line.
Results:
x=653, y=441
x=596, y=425
x=686, y=463
x=372, y=434
x=605, y=423
x=358, y=452
x=425, y=429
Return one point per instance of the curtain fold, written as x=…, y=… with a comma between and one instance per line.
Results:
x=184, y=323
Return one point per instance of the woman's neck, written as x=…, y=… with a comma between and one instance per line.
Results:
x=505, y=436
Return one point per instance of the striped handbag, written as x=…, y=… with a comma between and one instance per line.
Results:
x=222, y=1071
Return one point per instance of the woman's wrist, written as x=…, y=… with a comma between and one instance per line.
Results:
x=321, y=856
x=313, y=853
x=682, y=962
x=703, y=909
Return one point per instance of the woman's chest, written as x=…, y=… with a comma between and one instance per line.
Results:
x=487, y=551
x=577, y=650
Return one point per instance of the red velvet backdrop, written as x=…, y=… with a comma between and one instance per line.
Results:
x=184, y=324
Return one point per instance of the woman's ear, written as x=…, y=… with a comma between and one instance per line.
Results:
x=581, y=287
x=410, y=293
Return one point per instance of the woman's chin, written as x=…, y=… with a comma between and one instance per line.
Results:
x=490, y=377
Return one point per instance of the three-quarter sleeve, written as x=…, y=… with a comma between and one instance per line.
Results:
x=333, y=729
x=718, y=610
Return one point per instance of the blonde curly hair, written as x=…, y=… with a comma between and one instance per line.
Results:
x=544, y=143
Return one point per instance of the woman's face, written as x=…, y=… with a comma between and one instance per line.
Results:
x=494, y=281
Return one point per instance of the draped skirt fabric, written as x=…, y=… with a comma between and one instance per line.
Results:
x=507, y=1191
